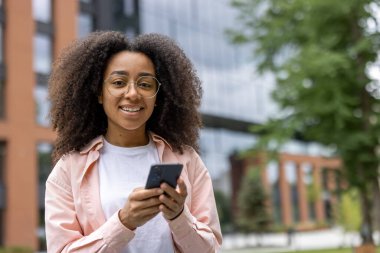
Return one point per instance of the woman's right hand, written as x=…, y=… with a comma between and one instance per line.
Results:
x=142, y=205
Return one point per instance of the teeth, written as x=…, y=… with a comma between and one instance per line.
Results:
x=131, y=109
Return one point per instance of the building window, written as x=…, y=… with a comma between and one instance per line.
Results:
x=42, y=10
x=2, y=83
x=311, y=190
x=85, y=24
x=129, y=7
x=86, y=18
x=1, y=43
x=2, y=96
x=274, y=181
x=291, y=177
x=42, y=67
x=42, y=53
x=42, y=104
x=44, y=167
x=2, y=190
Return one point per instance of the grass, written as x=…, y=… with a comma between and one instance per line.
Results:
x=349, y=250
x=255, y=250
x=325, y=251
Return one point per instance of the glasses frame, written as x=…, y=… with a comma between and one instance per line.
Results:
x=128, y=87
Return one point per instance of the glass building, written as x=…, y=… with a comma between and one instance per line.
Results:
x=235, y=97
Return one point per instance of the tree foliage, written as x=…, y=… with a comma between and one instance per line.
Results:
x=321, y=53
x=253, y=204
x=349, y=210
x=224, y=210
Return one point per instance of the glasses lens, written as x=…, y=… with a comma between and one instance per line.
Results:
x=146, y=86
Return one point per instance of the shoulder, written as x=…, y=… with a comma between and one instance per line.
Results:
x=74, y=164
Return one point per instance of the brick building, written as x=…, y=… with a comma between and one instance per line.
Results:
x=301, y=188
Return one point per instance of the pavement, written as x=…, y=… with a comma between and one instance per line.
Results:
x=278, y=242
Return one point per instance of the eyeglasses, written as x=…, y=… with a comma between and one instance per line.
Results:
x=146, y=86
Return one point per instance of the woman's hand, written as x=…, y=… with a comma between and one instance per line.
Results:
x=142, y=205
x=173, y=200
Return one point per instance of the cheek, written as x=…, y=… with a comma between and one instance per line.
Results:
x=151, y=105
x=108, y=103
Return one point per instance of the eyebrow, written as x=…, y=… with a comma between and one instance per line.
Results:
x=125, y=73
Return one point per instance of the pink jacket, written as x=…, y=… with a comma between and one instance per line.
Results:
x=74, y=217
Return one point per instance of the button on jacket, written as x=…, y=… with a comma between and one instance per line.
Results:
x=75, y=221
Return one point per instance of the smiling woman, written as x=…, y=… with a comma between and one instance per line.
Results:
x=119, y=107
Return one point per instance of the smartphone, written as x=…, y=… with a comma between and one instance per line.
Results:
x=165, y=172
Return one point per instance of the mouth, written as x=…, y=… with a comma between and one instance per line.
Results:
x=131, y=109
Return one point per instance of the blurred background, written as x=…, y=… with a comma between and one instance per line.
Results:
x=290, y=112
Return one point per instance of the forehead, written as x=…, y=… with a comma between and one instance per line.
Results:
x=132, y=63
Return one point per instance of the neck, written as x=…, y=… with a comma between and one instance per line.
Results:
x=128, y=139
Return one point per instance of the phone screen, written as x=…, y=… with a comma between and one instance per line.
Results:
x=159, y=173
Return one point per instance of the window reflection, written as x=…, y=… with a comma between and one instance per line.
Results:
x=42, y=10
x=1, y=43
x=2, y=89
x=42, y=53
x=2, y=96
x=44, y=167
x=129, y=7
x=274, y=181
x=42, y=104
x=199, y=27
x=85, y=24
x=2, y=190
x=291, y=177
x=311, y=192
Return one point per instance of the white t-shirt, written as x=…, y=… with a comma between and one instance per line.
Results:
x=120, y=171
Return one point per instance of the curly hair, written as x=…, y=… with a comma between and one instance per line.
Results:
x=77, y=78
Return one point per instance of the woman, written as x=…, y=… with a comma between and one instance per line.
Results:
x=119, y=106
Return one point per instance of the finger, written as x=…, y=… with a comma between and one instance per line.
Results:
x=147, y=212
x=154, y=201
x=170, y=191
x=169, y=203
x=145, y=193
x=182, y=187
x=137, y=205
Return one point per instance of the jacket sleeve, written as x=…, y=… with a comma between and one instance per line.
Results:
x=63, y=230
x=197, y=229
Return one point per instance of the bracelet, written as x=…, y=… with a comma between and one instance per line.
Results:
x=178, y=214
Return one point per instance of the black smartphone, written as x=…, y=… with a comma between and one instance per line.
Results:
x=159, y=173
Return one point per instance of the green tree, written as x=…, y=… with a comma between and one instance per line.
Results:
x=224, y=210
x=253, y=204
x=320, y=53
x=349, y=210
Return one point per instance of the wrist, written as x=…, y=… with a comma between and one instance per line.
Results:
x=123, y=220
x=175, y=217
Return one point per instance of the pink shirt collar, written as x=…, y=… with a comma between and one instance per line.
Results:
x=97, y=143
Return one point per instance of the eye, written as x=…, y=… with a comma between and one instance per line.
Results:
x=145, y=85
x=119, y=83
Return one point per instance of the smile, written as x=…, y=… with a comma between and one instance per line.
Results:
x=130, y=109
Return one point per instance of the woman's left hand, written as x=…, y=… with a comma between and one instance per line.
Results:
x=173, y=200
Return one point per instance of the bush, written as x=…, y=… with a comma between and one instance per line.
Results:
x=16, y=249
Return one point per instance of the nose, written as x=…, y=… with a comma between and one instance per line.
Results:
x=131, y=90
